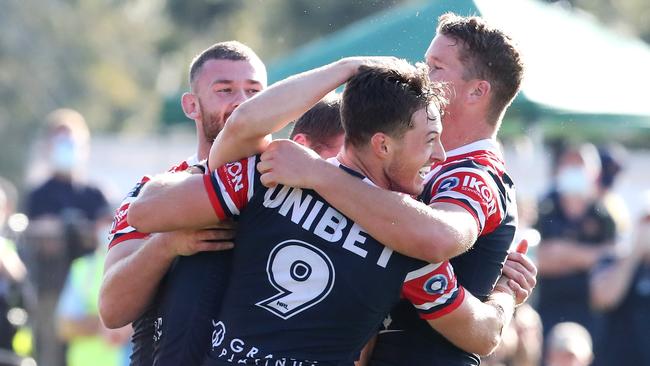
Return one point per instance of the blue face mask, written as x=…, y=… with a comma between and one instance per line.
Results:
x=574, y=180
x=65, y=155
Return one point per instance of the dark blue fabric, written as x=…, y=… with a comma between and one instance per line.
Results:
x=60, y=196
x=142, y=338
x=566, y=297
x=337, y=325
x=626, y=340
x=408, y=340
x=190, y=299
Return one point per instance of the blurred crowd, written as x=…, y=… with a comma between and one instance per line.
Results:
x=590, y=307
x=593, y=295
x=51, y=261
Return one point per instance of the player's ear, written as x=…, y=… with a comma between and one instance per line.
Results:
x=302, y=139
x=381, y=145
x=480, y=91
x=191, y=107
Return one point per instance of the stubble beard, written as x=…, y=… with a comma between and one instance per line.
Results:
x=403, y=181
x=212, y=125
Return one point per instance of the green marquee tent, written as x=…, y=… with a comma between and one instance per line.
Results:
x=577, y=71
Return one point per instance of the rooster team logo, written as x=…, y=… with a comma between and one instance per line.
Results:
x=436, y=285
x=448, y=184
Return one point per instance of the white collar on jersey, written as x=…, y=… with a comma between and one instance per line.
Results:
x=485, y=144
x=335, y=161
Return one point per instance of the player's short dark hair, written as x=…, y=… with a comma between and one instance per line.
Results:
x=230, y=50
x=488, y=54
x=383, y=98
x=321, y=123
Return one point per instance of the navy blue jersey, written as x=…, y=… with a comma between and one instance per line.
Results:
x=474, y=178
x=188, y=300
x=566, y=297
x=190, y=293
x=625, y=336
x=120, y=229
x=307, y=283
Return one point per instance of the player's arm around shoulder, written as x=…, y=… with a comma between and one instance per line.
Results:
x=431, y=233
x=474, y=326
x=477, y=327
x=455, y=230
x=173, y=201
x=247, y=131
x=452, y=311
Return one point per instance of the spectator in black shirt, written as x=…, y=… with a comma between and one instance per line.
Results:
x=576, y=230
x=64, y=215
x=620, y=288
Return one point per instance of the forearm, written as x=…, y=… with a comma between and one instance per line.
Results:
x=559, y=257
x=69, y=328
x=170, y=202
x=246, y=131
x=476, y=327
x=617, y=278
x=405, y=225
x=130, y=282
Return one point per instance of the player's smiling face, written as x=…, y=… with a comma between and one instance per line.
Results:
x=417, y=149
x=221, y=86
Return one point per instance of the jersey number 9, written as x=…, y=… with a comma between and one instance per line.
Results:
x=303, y=275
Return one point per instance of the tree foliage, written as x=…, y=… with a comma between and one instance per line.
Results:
x=115, y=60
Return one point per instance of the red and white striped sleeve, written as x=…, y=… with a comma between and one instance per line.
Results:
x=473, y=189
x=433, y=290
x=231, y=187
x=121, y=230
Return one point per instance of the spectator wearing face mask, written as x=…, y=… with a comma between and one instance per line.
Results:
x=620, y=289
x=64, y=214
x=576, y=230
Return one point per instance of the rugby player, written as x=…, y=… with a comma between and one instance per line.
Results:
x=320, y=127
x=193, y=289
x=308, y=284
x=220, y=78
x=471, y=189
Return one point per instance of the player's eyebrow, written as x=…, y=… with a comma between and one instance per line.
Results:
x=228, y=81
x=433, y=58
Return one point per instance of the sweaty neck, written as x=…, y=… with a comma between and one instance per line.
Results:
x=463, y=130
x=363, y=162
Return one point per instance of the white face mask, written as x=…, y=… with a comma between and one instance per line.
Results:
x=574, y=180
x=65, y=154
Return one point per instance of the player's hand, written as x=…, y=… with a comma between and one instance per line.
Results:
x=371, y=61
x=189, y=242
x=289, y=163
x=519, y=274
x=354, y=63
